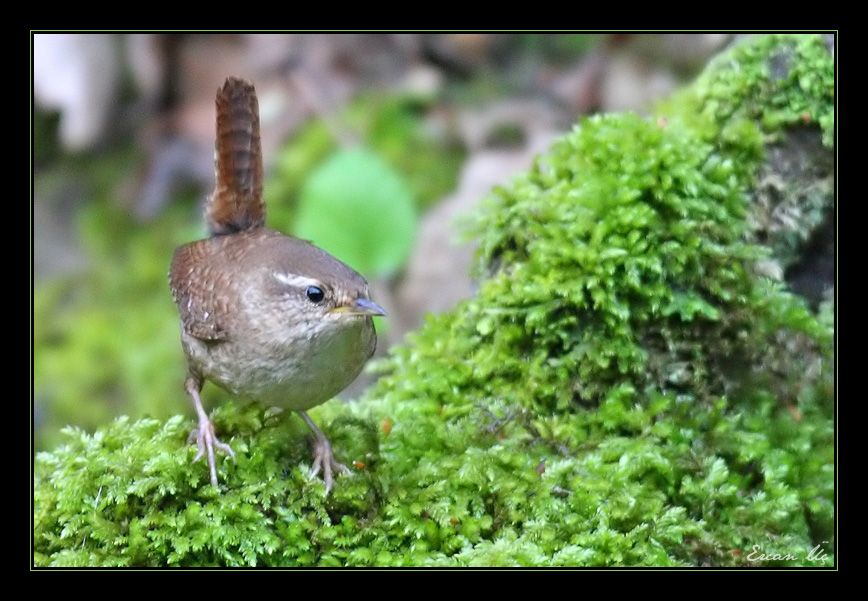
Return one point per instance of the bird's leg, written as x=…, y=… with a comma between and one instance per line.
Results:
x=205, y=438
x=323, y=457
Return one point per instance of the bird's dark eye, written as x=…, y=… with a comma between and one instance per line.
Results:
x=315, y=294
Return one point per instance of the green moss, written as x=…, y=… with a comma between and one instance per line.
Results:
x=782, y=88
x=623, y=390
x=775, y=81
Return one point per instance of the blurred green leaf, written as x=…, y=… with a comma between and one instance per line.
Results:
x=359, y=209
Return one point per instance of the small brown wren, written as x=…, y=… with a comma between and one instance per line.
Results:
x=264, y=316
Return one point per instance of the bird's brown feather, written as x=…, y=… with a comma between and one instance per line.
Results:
x=236, y=203
x=195, y=283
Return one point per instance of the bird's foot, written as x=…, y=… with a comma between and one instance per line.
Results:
x=324, y=461
x=207, y=441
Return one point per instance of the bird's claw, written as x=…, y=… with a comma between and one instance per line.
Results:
x=324, y=461
x=207, y=441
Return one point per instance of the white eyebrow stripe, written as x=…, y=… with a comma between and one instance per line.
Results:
x=298, y=281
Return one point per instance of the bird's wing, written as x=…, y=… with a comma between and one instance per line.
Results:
x=193, y=280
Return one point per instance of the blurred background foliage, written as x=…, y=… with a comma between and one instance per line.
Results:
x=373, y=145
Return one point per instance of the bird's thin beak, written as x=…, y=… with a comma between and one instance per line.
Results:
x=369, y=307
x=361, y=306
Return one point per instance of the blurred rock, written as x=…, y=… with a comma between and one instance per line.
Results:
x=631, y=72
x=633, y=84
x=55, y=251
x=148, y=57
x=578, y=88
x=438, y=274
x=422, y=80
x=532, y=117
x=460, y=52
x=77, y=75
x=175, y=161
x=679, y=50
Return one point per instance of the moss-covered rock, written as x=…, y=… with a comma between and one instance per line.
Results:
x=627, y=388
x=785, y=86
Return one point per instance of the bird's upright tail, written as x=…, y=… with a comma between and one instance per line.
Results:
x=236, y=203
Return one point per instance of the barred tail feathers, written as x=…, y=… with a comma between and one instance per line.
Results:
x=236, y=203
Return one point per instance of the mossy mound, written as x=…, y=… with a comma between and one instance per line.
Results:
x=627, y=388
